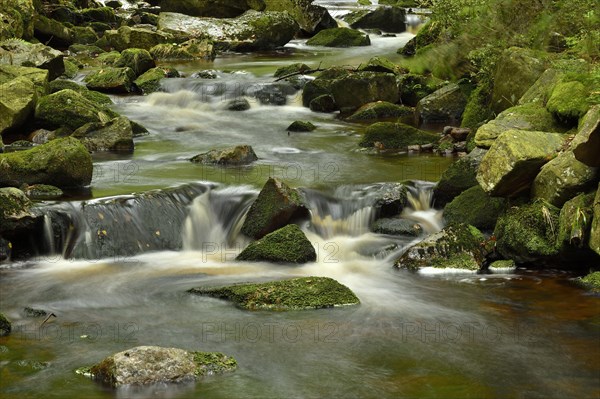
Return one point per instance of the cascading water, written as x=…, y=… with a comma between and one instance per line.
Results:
x=419, y=209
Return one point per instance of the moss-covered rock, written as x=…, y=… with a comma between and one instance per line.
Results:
x=474, y=207
x=277, y=205
x=17, y=103
x=591, y=282
x=15, y=210
x=290, y=69
x=517, y=71
x=285, y=245
x=230, y=156
x=397, y=226
x=63, y=163
x=562, y=178
x=193, y=49
x=310, y=17
x=382, y=110
x=91, y=95
x=505, y=265
x=443, y=105
x=395, y=136
x=427, y=34
x=71, y=69
x=70, y=109
x=459, y=176
x=84, y=35
x=21, y=53
x=515, y=158
x=575, y=222
x=456, y=247
x=352, y=91
x=323, y=103
x=539, y=93
x=211, y=8
x=380, y=64
x=43, y=192
x=528, y=233
x=139, y=60
x=301, y=126
x=114, y=135
x=531, y=117
x=144, y=365
x=293, y=294
x=568, y=101
x=149, y=81
x=39, y=77
x=477, y=111
x=339, y=37
x=52, y=32
x=5, y=325
x=112, y=80
x=413, y=88
x=99, y=14
x=586, y=144
x=127, y=37
x=16, y=19
x=85, y=50
x=595, y=231
x=389, y=19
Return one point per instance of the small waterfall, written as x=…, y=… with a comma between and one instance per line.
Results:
x=48, y=235
x=420, y=198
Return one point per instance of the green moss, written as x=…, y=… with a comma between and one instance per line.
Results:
x=395, y=136
x=100, y=14
x=149, y=81
x=108, y=58
x=5, y=325
x=459, y=176
x=477, y=110
x=591, y=282
x=456, y=261
x=286, y=245
x=84, y=35
x=112, y=80
x=339, y=37
x=474, y=207
x=292, y=294
x=289, y=69
x=575, y=221
x=139, y=60
x=382, y=110
x=503, y=264
x=415, y=87
x=105, y=371
x=380, y=64
x=208, y=363
x=568, y=101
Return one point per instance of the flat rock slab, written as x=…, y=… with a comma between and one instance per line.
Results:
x=294, y=294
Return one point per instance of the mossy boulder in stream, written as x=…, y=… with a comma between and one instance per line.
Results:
x=149, y=81
x=380, y=64
x=528, y=233
x=112, y=80
x=144, y=365
x=412, y=88
x=351, y=91
x=286, y=245
x=15, y=210
x=513, y=161
x=127, y=37
x=17, y=103
x=339, y=37
x=301, y=126
x=70, y=109
x=193, y=49
x=5, y=325
x=443, y=105
x=562, y=178
x=293, y=294
x=230, y=156
x=456, y=247
x=38, y=76
x=395, y=136
x=139, y=60
x=63, y=163
x=94, y=96
x=276, y=205
x=389, y=19
x=476, y=208
x=381, y=110
x=21, y=53
x=113, y=135
x=310, y=17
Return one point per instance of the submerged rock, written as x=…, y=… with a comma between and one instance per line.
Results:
x=339, y=37
x=21, y=53
x=230, y=156
x=62, y=162
x=144, y=365
x=301, y=126
x=293, y=294
x=474, y=207
x=5, y=325
x=286, y=245
x=276, y=205
x=457, y=247
x=514, y=160
x=395, y=136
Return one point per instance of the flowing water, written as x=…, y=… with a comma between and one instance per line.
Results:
x=523, y=334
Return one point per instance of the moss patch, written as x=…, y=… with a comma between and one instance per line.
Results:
x=339, y=37
x=293, y=294
x=476, y=208
x=286, y=245
x=396, y=136
x=209, y=363
x=591, y=282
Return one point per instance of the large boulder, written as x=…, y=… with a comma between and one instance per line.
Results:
x=413, y=87
x=16, y=19
x=15, y=210
x=114, y=135
x=144, y=365
x=528, y=233
x=134, y=37
x=193, y=49
x=389, y=19
x=381, y=110
x=17, y=103
x=21, y=53
x=586, y=144
x=139, y=60
x=539, y=93
x=63, y=163
x=277, y=205
x=459, y=176
x=211, y=8
x=285, y=245
x=70, y=109
x=595, y=230
x=248, y=32
x=514, y=160
x=568, y=101
x=517, y=71
x=39, y=77
x=53, y=32
x=354, y=90
x=292, y=294
x=455, y=247
x=311, y=18
x=474, y=207
x=339, y=37
x=575, y=222
x=94, y=96
x=389, y=135
x=230, y=156
x=443, y=105
x=149, y=81
x=563, y=178
x=531, y=117
x=112, y=80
